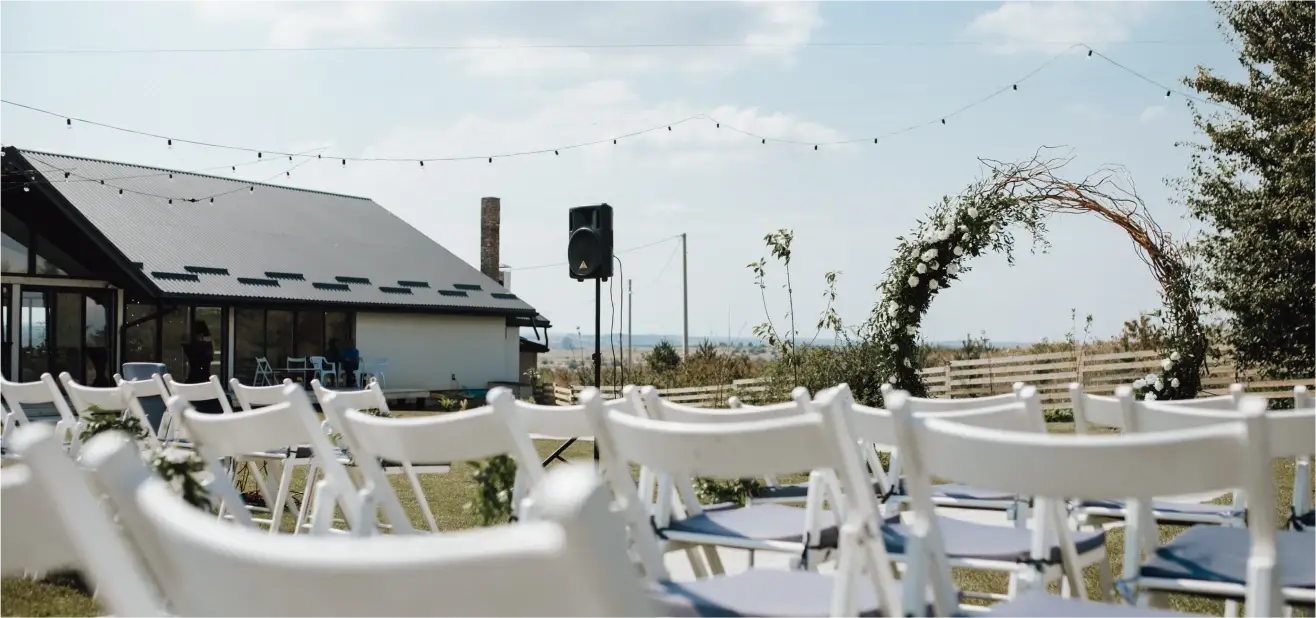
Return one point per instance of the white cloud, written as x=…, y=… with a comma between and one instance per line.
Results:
x=1051, y=27
x=1151, y=114
x=503, y=39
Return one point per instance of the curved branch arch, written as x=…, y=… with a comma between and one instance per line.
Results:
x=1022, y=196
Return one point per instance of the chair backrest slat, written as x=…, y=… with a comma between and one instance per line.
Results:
x=256, y=396
x=107, y=399
x=666, y=410
x=1292, y=433
x=572, y=567
x=201, y=391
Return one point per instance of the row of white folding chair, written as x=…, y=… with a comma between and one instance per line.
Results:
x=266, y=433
x=575, y=561
x=87, y=400
x=371, y=397
x=1216, y=455
x=43, y=392
x=287, y=457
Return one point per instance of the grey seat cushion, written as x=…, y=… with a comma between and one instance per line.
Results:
x=757, y=592
x=763, y=522
x=966, y=539
x=1172, y=508
x=947, y=490
x=1035, y=604
x=1219, y=554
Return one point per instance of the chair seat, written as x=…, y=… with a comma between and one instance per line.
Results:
x=1167, y=507
x=1038, y=605
x=1219, y=554
x=757, y=592
x=945, y=491
x=966, y=539
x=763, y=522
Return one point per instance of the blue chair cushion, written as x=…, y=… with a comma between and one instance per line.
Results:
x=1219, y=554
x=762, y=522
x=1166, y=507
x=966, y=539
x=757, y=592
x=944, y=491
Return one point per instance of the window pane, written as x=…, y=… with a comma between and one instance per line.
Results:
x=278, y=340
x=68, y=335
x=249, y=341
x=34, y=354
x=173, y=335
x=338, y=330
x=139, y=340
x=97, y=339
x=8, y=343
x=13, y=258
x=51, y=260
x=207, y=326
x=310, y=333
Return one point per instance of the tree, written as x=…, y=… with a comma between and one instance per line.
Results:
x=663, y=357
x=1253, y=184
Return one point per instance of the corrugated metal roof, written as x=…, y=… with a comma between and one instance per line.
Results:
x=276, y=243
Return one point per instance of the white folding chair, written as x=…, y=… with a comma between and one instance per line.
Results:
x=571, y=564
x=265, y=431
x=332, y=404
x=52, y=521
x=90, y=400
x=210, y=390
x=153, y=386
x=810, y=533
x=1057, y=466
x=264, y=373
x=43, y=392
x=864, y=582
x=1122, y=414
x=466, y=435
x=287, y=459
x=1303, y=516
x=1210, y=560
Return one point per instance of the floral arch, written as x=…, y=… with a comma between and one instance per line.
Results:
x=1021, y=196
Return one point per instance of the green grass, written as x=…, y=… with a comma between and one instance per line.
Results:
x=448, y=493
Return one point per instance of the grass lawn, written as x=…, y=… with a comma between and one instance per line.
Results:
x=448, y=493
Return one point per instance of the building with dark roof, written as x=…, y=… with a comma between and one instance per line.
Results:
x=106, y=263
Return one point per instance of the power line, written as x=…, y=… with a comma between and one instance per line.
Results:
x=573, y=46
x=668, y=126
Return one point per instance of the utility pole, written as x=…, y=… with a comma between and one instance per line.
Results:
x=630, y=324
x=685, y=302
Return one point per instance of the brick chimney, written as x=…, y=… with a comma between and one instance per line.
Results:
x=490, y=213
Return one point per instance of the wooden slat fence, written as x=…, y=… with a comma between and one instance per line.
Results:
x=1050, y=373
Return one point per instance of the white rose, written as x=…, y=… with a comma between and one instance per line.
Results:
x=959, y=251
x=1174, y=356
x=1158, y=385
x=908, y=364
x=891, y=379
x=1149, y=397
x=893, y=309
x=964, y=228
x=943, y=234
x=1174, y=382
x=934, y=265
x=1166, y=364
x=953, y=269
x=932, y=283
x=175, y=455
x=911, y=308
x=1151, y=377
x=913, y=281
x=894, y=347
x=929, y=255
x=914, y=253
x=920, y=269
x=911, y=330
x=973, y=212
x=466, y=507
x=1139, y=383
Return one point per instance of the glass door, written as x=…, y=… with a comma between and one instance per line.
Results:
x=8, y=340
x=65, y=329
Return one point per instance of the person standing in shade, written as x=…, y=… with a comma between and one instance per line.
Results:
x=200, y=353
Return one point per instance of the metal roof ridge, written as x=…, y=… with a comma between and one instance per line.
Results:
x=211, y=176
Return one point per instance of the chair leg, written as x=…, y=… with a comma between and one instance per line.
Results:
x=1105, y=581
x=285, y=486
x=308, y=492
x=420, y=497
x=1231, y=608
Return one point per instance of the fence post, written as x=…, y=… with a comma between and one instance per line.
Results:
x=1078, y=366
x=950, y=376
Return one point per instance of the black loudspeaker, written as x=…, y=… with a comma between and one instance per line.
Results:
x=589, y=248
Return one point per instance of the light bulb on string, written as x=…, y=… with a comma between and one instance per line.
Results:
x=66, y=174
x=669, y=128
x=68, y=122
x=491, y=159
x=815, y=146
x=1167, y=94
x=344, y=162
x=234, y=168
x=422, y=164
x=614, y=142
x=170, y=144
x=1015, y=86
x=212, y=200
x=765, y=140
x=289, y=157
x=874, y=140
x=288, y=174
x=171, y=176
x=120, y=191
x=259, y=154
x=1089, y=53
x=943, y=121
x=171, y=201
x=717, y=126
x=555, y=152
x=251, y=189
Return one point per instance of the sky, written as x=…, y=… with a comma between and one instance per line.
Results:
x=784, y=74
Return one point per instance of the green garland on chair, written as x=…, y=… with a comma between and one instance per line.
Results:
x=182, y=468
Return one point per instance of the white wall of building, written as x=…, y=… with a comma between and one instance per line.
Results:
x=425, y=351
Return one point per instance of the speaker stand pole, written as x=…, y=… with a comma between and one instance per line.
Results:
x=598, y=349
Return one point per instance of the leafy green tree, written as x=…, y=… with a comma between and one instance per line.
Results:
x=663, y=357
x=1253, y=183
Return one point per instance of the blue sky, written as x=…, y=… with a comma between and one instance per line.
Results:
x=845, y=204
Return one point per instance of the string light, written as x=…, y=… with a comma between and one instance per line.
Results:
x=68, y=122
x=170, y=144
x=26, y=188
x=670, y=126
